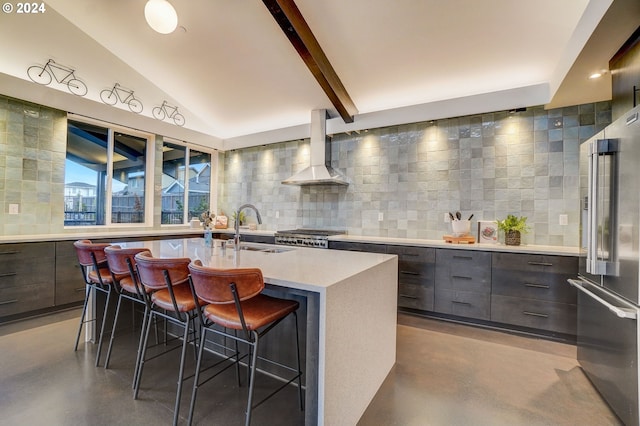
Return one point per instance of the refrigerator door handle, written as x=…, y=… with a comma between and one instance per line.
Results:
x=620, y=312
x=601, y=249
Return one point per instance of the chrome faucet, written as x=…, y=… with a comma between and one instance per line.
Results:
x=236, y=238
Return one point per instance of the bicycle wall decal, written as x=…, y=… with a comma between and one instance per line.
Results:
x=167, y=111
x=44, y=74
x=125, y=96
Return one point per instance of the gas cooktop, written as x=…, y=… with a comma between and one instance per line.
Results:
x=306, y=237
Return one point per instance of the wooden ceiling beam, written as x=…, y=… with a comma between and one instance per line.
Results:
x=294, y=26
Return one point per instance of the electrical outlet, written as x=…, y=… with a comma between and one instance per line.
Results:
x=277, y=214
x=447, y=219
x=380, y=216
x=14, y=208
x=563, y=219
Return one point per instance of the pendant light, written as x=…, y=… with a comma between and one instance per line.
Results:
x=161, y=16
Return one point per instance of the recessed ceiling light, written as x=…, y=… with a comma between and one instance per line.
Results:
x=598, y=74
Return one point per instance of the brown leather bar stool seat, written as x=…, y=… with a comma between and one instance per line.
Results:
x=235, y=301
x=121, y=263
x=171, y=299
x=98, y=278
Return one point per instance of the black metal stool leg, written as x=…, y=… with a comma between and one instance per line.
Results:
x=82, y=317
x=254, y=359
x=196, y=378
x=104, y=321
x=143, y=329
x=136, y=382
x=113, y=332
x=185, y=342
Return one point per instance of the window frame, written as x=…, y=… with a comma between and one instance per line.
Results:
x=112, y=129
x=213, y=178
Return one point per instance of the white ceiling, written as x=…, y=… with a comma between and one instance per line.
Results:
x=238, y=81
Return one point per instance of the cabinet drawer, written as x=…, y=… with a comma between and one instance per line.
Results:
x=26, y=250
x=27, y=272
x=463, y=303
x=540, y=314
x=464, y=270
x=413, y=254
x=14, y=255
x=416, y=273
x=533, y=263
x=370, y=248
x=15, y=300
x=415, y=296
x=534, y=277
x=549, y=287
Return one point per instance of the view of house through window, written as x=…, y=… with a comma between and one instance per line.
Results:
x=184, y=171
x=94, y=153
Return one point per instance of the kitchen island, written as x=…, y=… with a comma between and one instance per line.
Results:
x=351, y=305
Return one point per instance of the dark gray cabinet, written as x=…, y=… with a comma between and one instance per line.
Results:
x=70, y=286
x=532, y=291
x=463, y=283
x=416, y=276
x=27, y=277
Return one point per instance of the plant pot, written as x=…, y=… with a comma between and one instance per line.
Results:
x=512, y=238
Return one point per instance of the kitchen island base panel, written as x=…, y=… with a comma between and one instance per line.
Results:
x=358, y=341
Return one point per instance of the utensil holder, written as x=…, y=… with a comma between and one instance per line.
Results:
x=460, y=228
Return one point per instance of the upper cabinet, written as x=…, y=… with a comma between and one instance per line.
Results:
x=625, y=75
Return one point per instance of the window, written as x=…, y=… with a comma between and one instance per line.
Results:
x=105, y=174
x=184, y=171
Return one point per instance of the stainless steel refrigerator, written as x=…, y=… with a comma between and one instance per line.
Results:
x=609, y=278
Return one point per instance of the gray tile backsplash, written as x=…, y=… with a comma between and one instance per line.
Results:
x=32, y=153
x=490, y=165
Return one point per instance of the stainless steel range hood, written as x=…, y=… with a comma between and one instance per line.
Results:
x=319, y=172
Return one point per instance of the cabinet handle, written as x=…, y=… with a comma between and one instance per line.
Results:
x=79, y=289
x=537, y=285
x=463, y=257
x=406, y=296
x=410, y=254
x=9, y=252
x=409, y=273
x=8, y=302
x=8, y=274
x=535, y=314
x=461, y=303
x=540, y=263
x=461, y=277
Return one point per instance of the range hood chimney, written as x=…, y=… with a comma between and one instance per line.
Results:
x=319, y=172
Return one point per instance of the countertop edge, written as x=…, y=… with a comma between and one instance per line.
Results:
x=123, y=233
x=525, y=248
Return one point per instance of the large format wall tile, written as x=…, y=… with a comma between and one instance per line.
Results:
x=489, y=165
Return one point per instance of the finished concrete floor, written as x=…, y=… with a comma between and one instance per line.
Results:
x=446, y=374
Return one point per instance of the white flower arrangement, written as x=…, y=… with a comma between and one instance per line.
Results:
x=207, y=218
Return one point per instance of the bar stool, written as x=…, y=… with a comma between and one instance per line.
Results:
x=96, y=274
x=122, y=266
x=172, y=300
x=235, y=301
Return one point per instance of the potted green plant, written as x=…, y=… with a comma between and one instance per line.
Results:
x=513, y=226
x=242, y=218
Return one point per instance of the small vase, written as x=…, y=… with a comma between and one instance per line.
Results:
x=512, y=238
x=208, y=237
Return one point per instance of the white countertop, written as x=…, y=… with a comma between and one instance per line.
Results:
x=124, y=233
x=101, y=234
x=524, y=248
x=295, y=267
